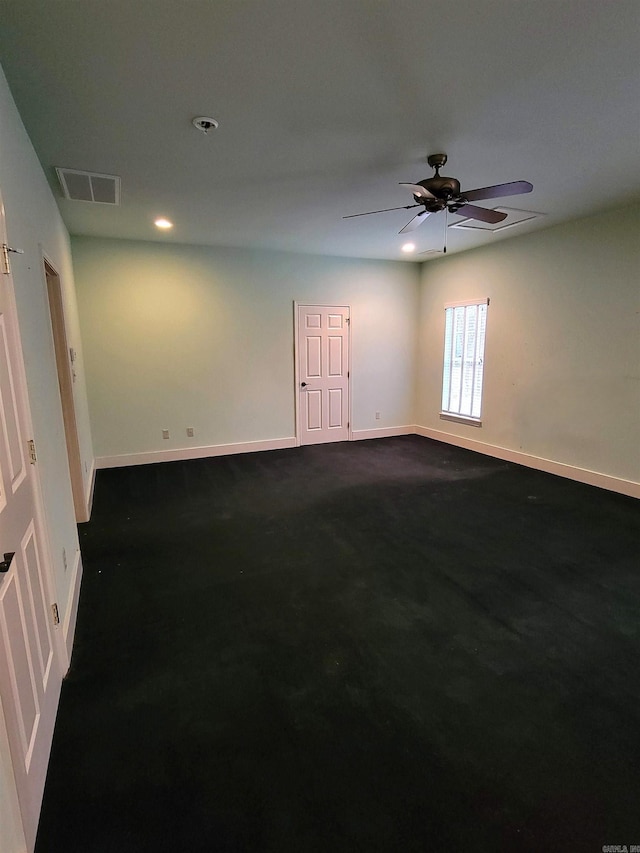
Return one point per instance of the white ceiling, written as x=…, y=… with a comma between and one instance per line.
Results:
x=324, y=106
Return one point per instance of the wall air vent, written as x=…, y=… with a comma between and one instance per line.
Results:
x=89, y=186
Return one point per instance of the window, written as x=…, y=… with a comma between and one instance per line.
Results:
x=464, y=334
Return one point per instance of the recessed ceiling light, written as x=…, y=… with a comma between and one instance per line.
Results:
x=409, y=247
x=163, y=223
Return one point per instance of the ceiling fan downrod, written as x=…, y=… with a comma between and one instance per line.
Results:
x=437, y=161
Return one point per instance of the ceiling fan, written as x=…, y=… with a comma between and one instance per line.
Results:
x=440, y=193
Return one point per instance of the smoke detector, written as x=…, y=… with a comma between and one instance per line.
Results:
x=204, y=123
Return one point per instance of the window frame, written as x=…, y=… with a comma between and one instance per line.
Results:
x=448, y=361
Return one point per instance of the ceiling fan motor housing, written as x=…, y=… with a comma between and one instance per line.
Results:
x=441, y=187
x=445, y=190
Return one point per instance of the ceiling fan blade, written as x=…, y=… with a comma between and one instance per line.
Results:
x=418, y=219
x=385, y=210
x=481, y=213
x=416, y=189
x=499, y=191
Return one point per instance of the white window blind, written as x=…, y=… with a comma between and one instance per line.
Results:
x=462, y=375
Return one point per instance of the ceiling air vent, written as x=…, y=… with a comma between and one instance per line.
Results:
x=89, y=186
x=514, y=217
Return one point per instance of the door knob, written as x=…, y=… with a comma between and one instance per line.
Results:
x=4, y=565
x=303, y=384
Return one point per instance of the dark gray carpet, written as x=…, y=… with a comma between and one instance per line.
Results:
x=391, y=645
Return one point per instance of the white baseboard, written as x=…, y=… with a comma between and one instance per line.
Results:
x=180, y=453
x=582, y=475
x=88, y=484
x=89, y=490
x=71, y=610
x=381, y=432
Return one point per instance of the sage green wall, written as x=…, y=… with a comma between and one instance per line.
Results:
x=180, y=336
x=562, y=361
x=34, y=225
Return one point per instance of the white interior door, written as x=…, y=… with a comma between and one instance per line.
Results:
x=66, y=378
x=323, y=373
x=30, y=676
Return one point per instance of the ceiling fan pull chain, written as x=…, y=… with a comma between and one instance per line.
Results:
x=446, y=216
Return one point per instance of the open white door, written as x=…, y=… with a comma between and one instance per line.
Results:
x=30, y=675
x=66, y=378
x=322, y=373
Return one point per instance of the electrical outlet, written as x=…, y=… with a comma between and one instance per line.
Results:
x=377, y=416
x=165, y=433
x=190, y=432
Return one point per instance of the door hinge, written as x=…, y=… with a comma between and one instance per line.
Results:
x=6, y=265
x=348, y=321
x=33, y=457
x=56, y=615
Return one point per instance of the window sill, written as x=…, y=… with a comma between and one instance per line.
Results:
x=460, y=419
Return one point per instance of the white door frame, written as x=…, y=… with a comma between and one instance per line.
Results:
x=296, y=366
